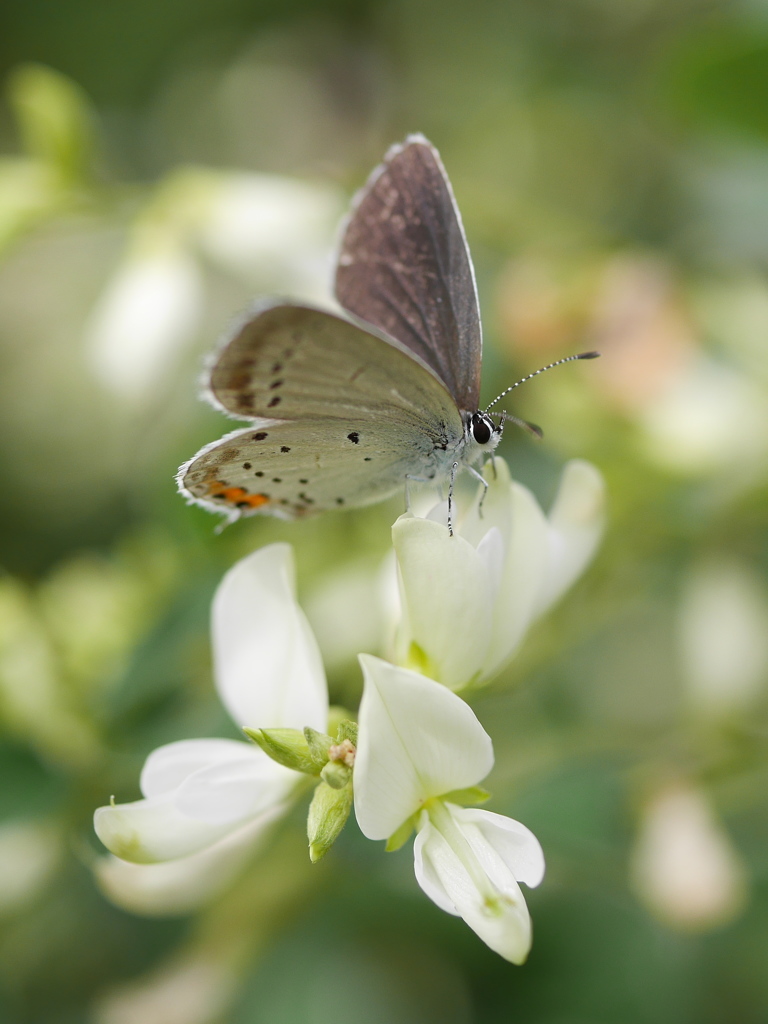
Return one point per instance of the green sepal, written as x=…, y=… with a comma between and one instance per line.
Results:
x=286, y=746
x=318, y=744
x=336, y=774
x=347, y=731
x=400, y=836
x=328, y=814
x=467, y=797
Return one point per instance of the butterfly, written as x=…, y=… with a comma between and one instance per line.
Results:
x=345, y=410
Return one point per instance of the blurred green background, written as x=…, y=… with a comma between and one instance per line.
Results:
x=163, y=164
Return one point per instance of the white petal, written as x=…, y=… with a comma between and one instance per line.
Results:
x=491, y=508
x=167, y=767
x=268, y=668
x=576, y=525
x=491, y=551
x=446, y=589
x=181, y=885
x=425, y=867
x=417, y=740
x=236, y=789
x=149, y=831
x=515, y=844
x=525, y=564
x=499, y=916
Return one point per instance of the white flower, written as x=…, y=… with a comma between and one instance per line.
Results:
x=684, y=866
x=723, y=637
x=468, y=600
x=274, y=232
x=180, y=886
x=419, y=745
x=148, y=312
x=268, y=674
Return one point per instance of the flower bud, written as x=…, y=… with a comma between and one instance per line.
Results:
x=286, y=746
x=328, y=813
x=336, y=774
x=318, y=744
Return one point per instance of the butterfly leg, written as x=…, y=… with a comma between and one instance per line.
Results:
x=454, y=470
x=484, y=482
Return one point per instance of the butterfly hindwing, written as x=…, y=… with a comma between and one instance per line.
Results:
x=299, y=468
x=404, y=267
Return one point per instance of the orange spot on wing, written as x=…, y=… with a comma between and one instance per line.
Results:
x=256, y=500
x=237, y=495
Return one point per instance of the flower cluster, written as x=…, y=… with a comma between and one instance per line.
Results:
x=415, y=757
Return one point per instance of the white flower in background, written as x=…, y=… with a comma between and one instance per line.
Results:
x=147, y=314
x=723, y=631
x=194, y=986
x=420, y=752
x=201, y=797
x=30, y=852
x=684, y=867
x=468, y=600
x=711, y=418
x=276, y=233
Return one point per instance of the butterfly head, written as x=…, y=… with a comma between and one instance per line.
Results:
x=484, y=430
x=481, y=434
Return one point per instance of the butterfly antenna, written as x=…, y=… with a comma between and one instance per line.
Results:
x=557, y=362
x=532, y=428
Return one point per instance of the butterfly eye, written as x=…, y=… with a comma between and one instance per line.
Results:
x=482, y=428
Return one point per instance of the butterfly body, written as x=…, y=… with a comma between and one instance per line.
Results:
x=344, y=410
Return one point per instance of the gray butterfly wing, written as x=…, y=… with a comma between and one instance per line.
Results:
x=404, y=267
x=341, y=417
x=297, y=469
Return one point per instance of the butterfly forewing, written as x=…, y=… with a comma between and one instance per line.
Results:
x=404, y=267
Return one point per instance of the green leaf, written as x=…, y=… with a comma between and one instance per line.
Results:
x=55, y=120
